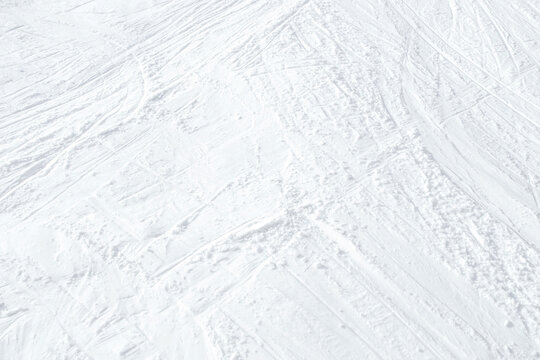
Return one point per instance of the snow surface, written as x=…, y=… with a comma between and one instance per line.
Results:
x=269, y=179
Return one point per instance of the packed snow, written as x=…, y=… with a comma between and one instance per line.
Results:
x=269, y=179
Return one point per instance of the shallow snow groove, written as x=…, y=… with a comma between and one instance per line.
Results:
x=277, y=179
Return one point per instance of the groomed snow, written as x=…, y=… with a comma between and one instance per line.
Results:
x=269, y=179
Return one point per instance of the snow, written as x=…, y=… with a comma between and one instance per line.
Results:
x=269, y=179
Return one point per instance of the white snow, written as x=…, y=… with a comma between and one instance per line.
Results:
x=269, y=179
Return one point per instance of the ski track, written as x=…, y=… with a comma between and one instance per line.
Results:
x=245, y=179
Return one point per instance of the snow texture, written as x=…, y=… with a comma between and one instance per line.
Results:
x=269, y=179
